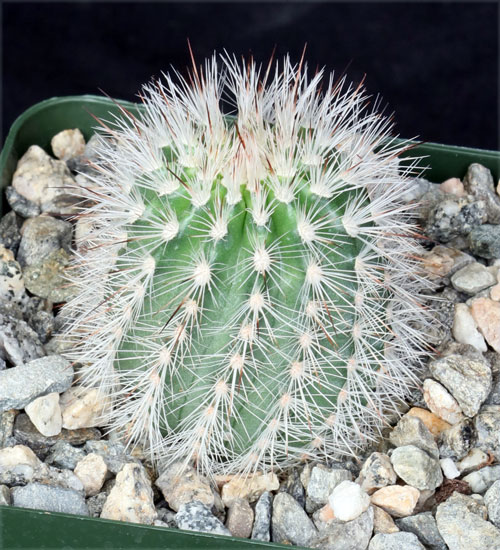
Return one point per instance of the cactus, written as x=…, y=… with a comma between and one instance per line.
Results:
x=246, y=285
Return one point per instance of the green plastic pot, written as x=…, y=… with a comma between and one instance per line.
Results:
x=22, y=528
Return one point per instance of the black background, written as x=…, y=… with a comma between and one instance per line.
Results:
x=434, y=63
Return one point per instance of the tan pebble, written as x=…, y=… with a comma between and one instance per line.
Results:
x=82, y=407
x=495, y=293
x=453, y=186
x=11, y=457
x=91, y=471
x=441, y=402
x=383, y=522
x=45, y=414
x=249, y=487
x=434, y=424
x=397, y=500
x=486, y=313
x=68, y=144
x=240, y=518
x=326, y=513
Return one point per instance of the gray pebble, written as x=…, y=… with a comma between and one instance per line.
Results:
x=481, y=480
x=10, y=237
x=322, y=482
x=113, y=452
x=40, y=237
x=293, y=486
x=454, y=216
x=395, y=541
x=492, y=501
x=487, y=424
x=462, y=529
x=479, y=183
x=64, y=455
x=21, y=205
x=20, y=344
x=417, y=188
x=377, y=472
x=346, y=535
x=473, y=278
x=410, y=430
x=493, y=359
x=21, y=385
x=5, y=497
x=416, y=467
x=290, y=523
x=468, y=380
x=195, y=516
x=457, y=441
x=26, y=434
x=95, y=504
x=484, y=241
x=6, y=426
x=239, y=519
x=262, y=519
x=425, y=528
x=52, y=499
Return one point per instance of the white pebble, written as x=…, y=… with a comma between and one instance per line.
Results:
x=449, y=468
x=348, y=501
x=441, y=402
x=68, y=144
x=45, y=413
x=91, y=471
x=465, y=329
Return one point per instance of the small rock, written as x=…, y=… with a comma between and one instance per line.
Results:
x=418, y=188
x=249, y=487
x=486, y=313
x=397, y=500
x=113, y=452
x=481, y=480
x=10, y=237
x=91, y=471
x=468, y=380
x=6, y=426
x=462, y=529
x=457, y=441
x=454, y=216
x=377, y=472
x=52, y=499
x=293, y=486
x=47, y=278
x=465, y=330
x=410, y=430
x=262, y=520
x=473, y=278
x=346, y=535
x=290, y=523
x=479, y=183
x=68, y=144
x=11, y=279
x=474, y=460
x=425, y=528
x=433, y=423
x=443, y=261
x=19, y=343
x=60, y=478
x=449, y=468
x=26, y=433
x=17, y=465
x=415, y=467
x=492, y=501
x=96, y=504
x=83, y=162
x=45, y=414
x=240, y=518
x=21, y=385
x=195, y=516
x=348, y=501
x=83, y=407
x=5, y=498
x=487, y=424
x=440, y=402
x=131, y=499
x=484, y=241
x=453, y=186
x=181, y=484
x=41, y=236
x=395, y=541
x=383, y=522
x=21, y=205
x=320, y=485
x=40, y=178
x=64, y=455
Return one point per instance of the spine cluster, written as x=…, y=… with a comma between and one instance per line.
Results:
x=248, y=285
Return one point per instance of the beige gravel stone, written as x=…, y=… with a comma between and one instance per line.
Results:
x=398, y=500
x=91, y=471
x=82, y=407
x=434, y=424
x=45, y=413
x=486, y=313
x=68, y=144
x=240, y=518
x=383, y=522
x=249, y=487
x=453, y=186
x=464, y=328
x=10, y=457
x=441, y=402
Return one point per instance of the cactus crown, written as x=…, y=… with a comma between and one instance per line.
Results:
x=246, y=285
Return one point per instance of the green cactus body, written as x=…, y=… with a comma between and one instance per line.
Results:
x=244, y=283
